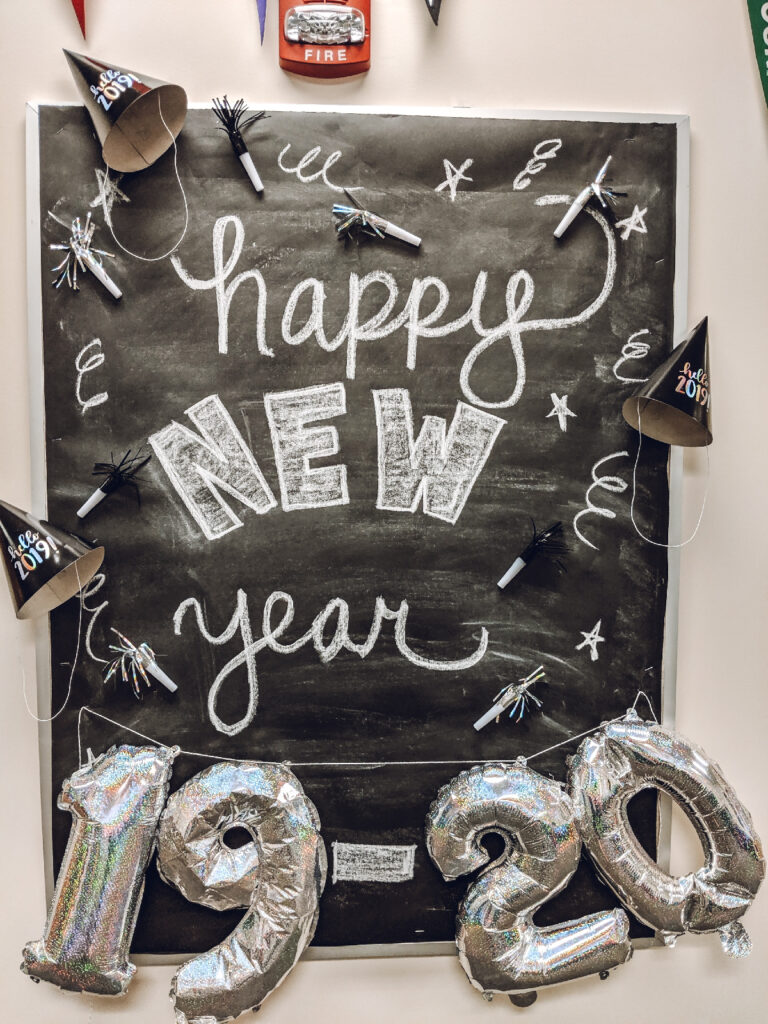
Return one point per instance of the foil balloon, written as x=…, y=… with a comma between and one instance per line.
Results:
x=279, y=876
x=624, y=757
x=115, y=802
x=500, y=947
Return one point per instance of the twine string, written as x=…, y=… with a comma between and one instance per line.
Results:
x=346, y=764
x=657, y=543
x=175, y=246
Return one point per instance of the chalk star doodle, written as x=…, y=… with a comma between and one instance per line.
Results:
x=109, y=193
x=609, y=483
x=591, y=640
x=454, y=175
x=561, y=410
x=635, y=222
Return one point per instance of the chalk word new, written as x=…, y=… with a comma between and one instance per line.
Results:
x=280, y=604
x=413, y=318
x=435, y=470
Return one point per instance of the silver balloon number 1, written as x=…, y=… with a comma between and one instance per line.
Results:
x=500, y=947
x=115, y=802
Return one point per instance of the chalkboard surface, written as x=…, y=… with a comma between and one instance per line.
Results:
x=349, y=446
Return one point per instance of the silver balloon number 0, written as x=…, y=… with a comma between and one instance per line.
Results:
x=279, y=876
x=607, y=771
x=500, y=947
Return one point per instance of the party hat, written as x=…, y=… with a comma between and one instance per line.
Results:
x=45, y=566
x=434, y=9
x=136, y=117
x=673, y=405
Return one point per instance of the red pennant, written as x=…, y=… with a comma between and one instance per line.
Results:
x=79, y=6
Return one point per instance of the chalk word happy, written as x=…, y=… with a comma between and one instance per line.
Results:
x=417, y=322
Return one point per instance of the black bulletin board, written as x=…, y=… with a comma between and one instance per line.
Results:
x=372, y=737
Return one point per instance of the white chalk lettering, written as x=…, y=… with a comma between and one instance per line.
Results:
x=543, y=151
x=326, y=651
x=200, y=468
x=365, y=862
x=435, y=470
x=384, y=322
x=614, y=484
x=309, y=158
x=94, y=360
x=224, y=295
x=295, y=444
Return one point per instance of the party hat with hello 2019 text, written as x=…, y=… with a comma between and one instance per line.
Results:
x=45, y=565
x=137, y=118
x=673, y=405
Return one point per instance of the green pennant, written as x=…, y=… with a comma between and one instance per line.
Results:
x=758, y=14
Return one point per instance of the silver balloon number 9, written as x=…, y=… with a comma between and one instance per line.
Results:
x=279, y=876
x=500, y=947
x=115, y=803
x=609, y=768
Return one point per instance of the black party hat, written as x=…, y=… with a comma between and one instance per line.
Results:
x=433, y=6
x=673, y=405
x=136, y=117
x=45, y=566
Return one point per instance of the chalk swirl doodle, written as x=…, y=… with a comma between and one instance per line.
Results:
x=608, y=483
x=632, y=350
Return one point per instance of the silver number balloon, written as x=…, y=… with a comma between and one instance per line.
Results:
x=606, y=772
x=115, y=802
x=500, y=947
x=279, y=876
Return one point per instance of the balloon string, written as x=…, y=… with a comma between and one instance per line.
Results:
x=74, y=663
x=108, y=216
x=656, y=543
x=346, y=764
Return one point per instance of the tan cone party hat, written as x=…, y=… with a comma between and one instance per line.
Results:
x=136, y=117
x=673, y=405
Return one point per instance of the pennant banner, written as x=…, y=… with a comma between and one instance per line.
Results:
x=758, y=13
x=79, y=6
x=262, y=5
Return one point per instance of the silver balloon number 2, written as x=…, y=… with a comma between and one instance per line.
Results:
x=500, y=947
x=608, y=770
x=115, y=801
x=279, y=876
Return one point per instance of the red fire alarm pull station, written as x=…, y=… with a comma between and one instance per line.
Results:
x=325, y=40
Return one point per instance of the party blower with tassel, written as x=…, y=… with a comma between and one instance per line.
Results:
x=517, y=694
x=235, y=119
x=355, y=220
x=134, y=663
x=594, y=190
x=116, y=475
x=548, y=543
x=81, y=254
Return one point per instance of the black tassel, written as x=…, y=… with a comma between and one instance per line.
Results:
x=235, y=119
x=549, y=543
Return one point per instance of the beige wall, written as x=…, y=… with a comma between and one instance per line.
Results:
x=676, y=56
